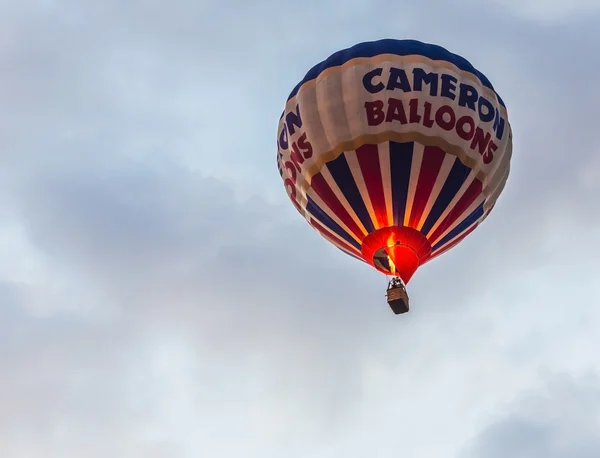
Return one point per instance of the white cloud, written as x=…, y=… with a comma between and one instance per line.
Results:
x=549, y=11
x=160, y=297
x=557, y=419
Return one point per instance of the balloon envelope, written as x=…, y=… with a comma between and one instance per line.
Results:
x=394, y=151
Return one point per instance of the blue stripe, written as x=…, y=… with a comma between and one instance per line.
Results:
x=474, y=216
x=400, y=48
x=401, y=156
x=349, y=254
x=385, y=262
x=455, y=180
x=329, y=223
x=340, y=171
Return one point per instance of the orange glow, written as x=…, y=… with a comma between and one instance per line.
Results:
x=405, y=247
x=405, y=261
x=392, y=265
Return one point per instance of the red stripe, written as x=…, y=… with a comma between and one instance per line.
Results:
x=433, y=157
x=328, y=235
x=455, y=241
x=297, y=205
x=368, y=159
x=320, y=186
x=470, y=195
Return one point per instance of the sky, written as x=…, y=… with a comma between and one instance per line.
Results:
x=161, y=298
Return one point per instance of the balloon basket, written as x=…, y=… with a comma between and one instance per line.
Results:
x=397, y=297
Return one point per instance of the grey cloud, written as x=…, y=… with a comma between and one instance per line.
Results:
x=561, y=419
x=264, y=333
x=52, y=370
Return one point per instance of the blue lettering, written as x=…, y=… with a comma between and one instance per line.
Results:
x=368, y=81
x=398, y=80
x=448, y=86
x=293, y=120
x=467, y=96
x=489, y=113
x=499, y=125
x=431, y=79
x=283, y=138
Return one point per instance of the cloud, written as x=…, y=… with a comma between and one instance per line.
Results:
x=160, y=296
x=543, y=12
x=559, y=419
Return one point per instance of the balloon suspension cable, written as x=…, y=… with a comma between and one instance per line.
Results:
x=396, y=282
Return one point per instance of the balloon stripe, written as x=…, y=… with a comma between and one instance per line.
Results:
x=433, y=157
x=474, y=216
x=467, y=199
x=340, y=171
x=341, y=245
x=454, y=242
x=320, y=186
x=368, y=159
x=455, y=180
x=401, y=157
x=322, y=216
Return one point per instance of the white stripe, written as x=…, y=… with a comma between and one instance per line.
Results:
x=350, y=79
x=461, y=218
x=322, y=103
x=338, y=193
x=440, y=180
x=355, y=255
x=386, y=179
x=492, y=196
x=332, y=234
x=360, y=183
x=454, y=201
x=320, y=203
x=437, y=251
x=415, y=170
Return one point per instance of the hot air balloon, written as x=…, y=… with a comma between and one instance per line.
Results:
x=394, y=151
